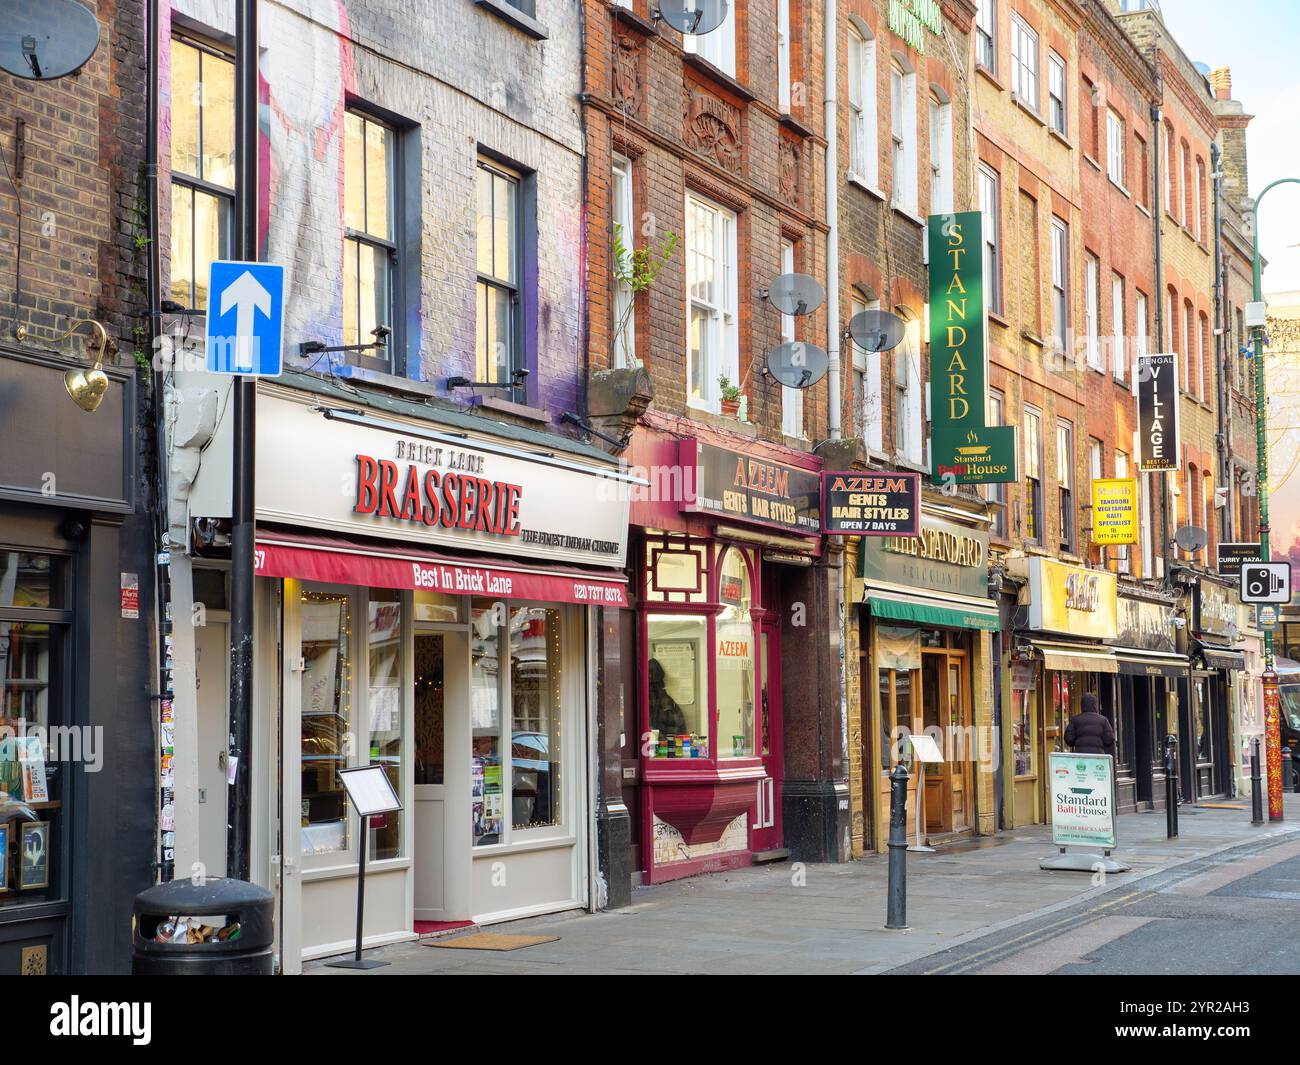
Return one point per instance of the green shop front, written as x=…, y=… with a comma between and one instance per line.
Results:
x=924, y=650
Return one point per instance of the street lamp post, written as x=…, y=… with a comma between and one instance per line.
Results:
x=1272, y=723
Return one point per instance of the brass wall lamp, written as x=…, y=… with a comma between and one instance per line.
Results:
x=86, y=387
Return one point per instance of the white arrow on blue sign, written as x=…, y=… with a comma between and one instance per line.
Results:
x=245, y=318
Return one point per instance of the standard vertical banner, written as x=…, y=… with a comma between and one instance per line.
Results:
x=962, y=448
x=1157, y=409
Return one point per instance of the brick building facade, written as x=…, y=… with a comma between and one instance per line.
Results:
x=77, y=598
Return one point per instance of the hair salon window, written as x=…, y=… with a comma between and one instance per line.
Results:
x=699, y=600
x=34, y=761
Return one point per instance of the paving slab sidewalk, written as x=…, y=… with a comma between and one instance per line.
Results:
x=829, y=918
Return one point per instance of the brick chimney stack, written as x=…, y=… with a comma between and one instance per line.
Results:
x=1221, y=83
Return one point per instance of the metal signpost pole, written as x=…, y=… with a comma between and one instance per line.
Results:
x=1272, y=721
x=244, y=414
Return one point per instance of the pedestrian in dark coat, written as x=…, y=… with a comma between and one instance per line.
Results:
x=1089, y=732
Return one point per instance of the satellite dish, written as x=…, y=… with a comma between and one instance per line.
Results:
x=46, y=40
x=797, y=364
x=694, y=17
x=796, y=293
x=1191, y=538
x=877, y=330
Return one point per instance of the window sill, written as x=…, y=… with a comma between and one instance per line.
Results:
x=997, y=319
x=1120, y=382
x=629, y=17
x=523, y=844
x=1061, y=138
x=717, y=74
x=794, y=125
x=506, y=406
x=862, y=183
x=990, y=76
x=916, y=219
x=1092, y=162
x=1143, y=208
x=520, y=20
x=1025, y=106
x=1033, y=338
x=1119, y=186
x=905, y=463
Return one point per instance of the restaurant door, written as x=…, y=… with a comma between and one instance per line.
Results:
x=945, y=711
x=441, y=691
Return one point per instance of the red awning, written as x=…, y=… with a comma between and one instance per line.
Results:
x=341, y=560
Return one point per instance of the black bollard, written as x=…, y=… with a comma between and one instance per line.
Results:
x=1171, y=786
x=897, y=916
x=1256, y=785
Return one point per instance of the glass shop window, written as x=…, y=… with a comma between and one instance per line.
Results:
x=326, y=718
x=384, y=703
x=1022, y=731
x=734, y=646
x=487, y=801
x=33, y=761
x=535, y=697
x=679, y=685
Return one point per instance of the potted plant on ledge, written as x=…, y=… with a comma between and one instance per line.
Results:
x=730, y=396
x=635, y=270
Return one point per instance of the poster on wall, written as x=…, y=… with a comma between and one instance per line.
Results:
x=1114, y=510
x=1157, y=409
x=1083, y=812
x=963, y=449
x=871, y=504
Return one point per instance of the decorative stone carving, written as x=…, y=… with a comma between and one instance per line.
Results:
x=627, y=74
x=712, y=127
x=789, y=171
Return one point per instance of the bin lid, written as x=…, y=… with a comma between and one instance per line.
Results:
x=212, y=895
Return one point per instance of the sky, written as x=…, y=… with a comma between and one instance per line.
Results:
x=1259, y=40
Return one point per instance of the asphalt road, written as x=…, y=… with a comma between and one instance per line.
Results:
x=1234, y=913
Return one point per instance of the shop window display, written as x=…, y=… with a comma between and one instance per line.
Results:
x=487, y=796
x=384, y=702
x=1022, y=738
x=33, y=760
x=326, y=719
x=536, y=710
x=734, y=646
x=679, y=684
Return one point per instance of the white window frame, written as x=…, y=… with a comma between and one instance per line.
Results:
x=902, y=127
x=1119, y=351
x=783, y=84
x=718, y=46
x=792, y=399
x=868, y=395
x=1024, y=63
x=1196, y=200
x=624, y=298
x=1091, y=299
x=1115, y=144
x=864, y=150
x=986, y=34
x=1060, y=281
x=990, y=188
x=909, y=430
x=1123, y=556
x=940, y=111
x=1067, y=505
x=1141, y=326
x=1198, y=320
x=1056, y=94
x=721, y=354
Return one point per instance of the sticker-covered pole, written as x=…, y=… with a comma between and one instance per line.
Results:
x=243, y=413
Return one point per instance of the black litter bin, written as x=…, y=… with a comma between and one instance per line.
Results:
x=242, y=912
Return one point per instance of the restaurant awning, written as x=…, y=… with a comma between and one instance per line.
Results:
x=1077, y=658
x=345, y=560
x=1218, y=656
x=1135, y=662
x=956, y=611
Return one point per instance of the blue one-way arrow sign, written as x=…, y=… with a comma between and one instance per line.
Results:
x=245, y=318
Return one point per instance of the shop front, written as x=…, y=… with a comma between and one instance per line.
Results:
x=1141, y=699
x=428, y=595
x=720, y=563
x=923, y=654
x=1066, y=616
x=1208, y=690
x=1249, y=718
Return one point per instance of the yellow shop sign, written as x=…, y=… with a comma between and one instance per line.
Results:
x=1114, y=510
x=1071, y=599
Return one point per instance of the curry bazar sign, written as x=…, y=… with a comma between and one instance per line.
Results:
x=963, y=449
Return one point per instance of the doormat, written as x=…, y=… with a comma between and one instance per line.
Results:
x=491, y=941
x=429, y=928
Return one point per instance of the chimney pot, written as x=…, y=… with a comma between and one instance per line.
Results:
x=1221, y=82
